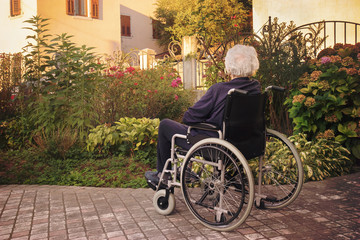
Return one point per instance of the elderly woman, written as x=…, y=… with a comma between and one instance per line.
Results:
x=241, y=63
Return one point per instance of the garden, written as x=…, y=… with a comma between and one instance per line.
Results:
x=71, y=117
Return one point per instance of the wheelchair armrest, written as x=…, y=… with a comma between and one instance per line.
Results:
x=204, y=126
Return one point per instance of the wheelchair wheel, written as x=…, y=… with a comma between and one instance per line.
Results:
x=217, y=184
x=281, y=172
x=164, y=205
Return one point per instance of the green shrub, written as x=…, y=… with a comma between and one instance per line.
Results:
x=135, y=137
x=10, y=77
x=328, y=102
x=55, y=144
x=68, y=95
x=15, y=133
x=28, y=167
x=321, y=158
x=152, y=93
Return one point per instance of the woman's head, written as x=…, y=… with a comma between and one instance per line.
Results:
x=241, y=61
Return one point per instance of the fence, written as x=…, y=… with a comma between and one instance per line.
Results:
x=10, y=78
x=318, y=36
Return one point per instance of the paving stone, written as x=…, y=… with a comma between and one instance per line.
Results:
x=324, y=210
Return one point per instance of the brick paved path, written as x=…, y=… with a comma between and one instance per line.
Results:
x=324, y=210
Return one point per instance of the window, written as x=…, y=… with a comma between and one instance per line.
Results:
x=80, y=8
x=70, y=7
x=15, y=7
x=95, y=8
x=156, y=33
x=125, y=26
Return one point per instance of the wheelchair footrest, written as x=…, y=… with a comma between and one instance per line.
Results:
x=153, y=185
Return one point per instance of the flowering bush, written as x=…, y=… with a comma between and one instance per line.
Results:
x=151, y=93
x=327, y=105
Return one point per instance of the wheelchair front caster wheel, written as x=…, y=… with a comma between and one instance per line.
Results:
x=164, y=205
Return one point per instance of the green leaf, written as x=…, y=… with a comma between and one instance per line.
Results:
x=340, y=138
x=305, y=90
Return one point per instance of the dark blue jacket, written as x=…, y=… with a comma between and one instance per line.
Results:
x=210, y=108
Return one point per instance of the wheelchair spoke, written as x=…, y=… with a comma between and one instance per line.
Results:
x=213, y=198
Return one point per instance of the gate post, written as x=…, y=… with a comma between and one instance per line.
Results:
x=147, y=58
x=189, y=49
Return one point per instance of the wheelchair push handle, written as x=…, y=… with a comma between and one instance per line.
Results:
x=275, y=88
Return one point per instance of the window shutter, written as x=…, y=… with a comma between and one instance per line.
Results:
x=125, y=26
x=95, y=8
x=15, y=7
x=70, y=7
x=156, y=34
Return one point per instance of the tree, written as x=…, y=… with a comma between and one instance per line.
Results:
x=212, y=21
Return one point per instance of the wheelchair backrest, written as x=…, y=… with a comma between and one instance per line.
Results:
x=244, y=122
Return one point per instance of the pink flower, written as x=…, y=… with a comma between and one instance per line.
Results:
x=235, y=25
x=149, y=91
x=176, y=82
x=325, y=60
x=155, y=91
x=233, y=17
x=161, y=78
x=176, y=97
x=135, y=84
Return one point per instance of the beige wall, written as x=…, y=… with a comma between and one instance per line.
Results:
x=140, y=12
x=307, y=11
x=103, y=33
x=13, y=36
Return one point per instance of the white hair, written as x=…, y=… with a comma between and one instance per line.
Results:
x=241, y=61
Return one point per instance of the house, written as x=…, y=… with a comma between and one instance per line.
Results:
x=107, y=25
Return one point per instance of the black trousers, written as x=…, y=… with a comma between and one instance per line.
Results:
x=167, y=129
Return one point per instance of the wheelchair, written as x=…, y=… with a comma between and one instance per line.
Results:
x=222, y=178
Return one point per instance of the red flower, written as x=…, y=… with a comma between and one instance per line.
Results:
x=135, y=84
x=235, y=25
x=161, y=78
x=149, y=91
x=119, y=74
x=130, y=69
x=176, y=97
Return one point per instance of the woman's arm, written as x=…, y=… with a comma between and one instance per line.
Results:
x=202, y=108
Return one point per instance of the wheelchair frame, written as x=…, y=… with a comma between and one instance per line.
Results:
x=274, y=188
